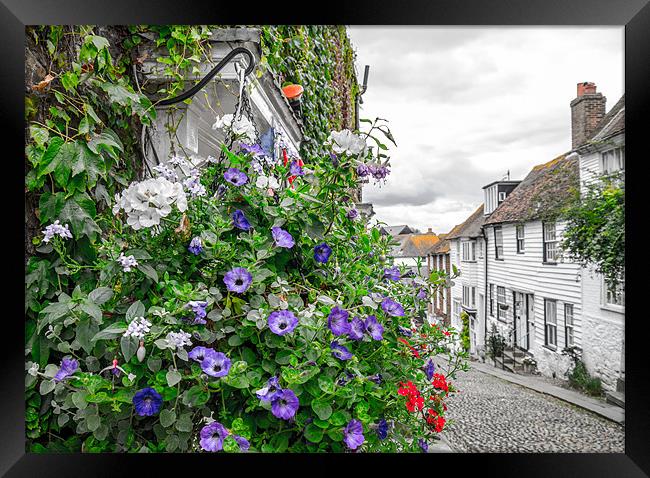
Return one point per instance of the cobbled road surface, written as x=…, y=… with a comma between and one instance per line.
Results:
x=495, y=416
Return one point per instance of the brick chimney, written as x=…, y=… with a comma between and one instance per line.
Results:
x=586, y=112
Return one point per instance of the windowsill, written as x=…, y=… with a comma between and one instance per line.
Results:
x=550, y=347
x=521, y=252
x=499, y=259
x=549, y=263
x=502, y=320
x=467, y=261
x=614, y=308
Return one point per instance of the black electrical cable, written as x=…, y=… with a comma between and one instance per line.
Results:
x=196, y=88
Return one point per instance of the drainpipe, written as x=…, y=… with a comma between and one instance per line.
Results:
x=358, y=99
x=487, y=288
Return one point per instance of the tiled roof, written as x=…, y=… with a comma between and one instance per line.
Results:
x=416, y=245
x=471, y=227
x=396, y=230
x=546, y=188
x=612, y=124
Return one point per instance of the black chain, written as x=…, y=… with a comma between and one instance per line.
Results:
x=230, y=136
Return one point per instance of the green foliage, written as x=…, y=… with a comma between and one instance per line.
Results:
x=595, y=231
x=80, y=300
x=579, y=376
x=320, y=58
x=464, y=335
x=496, y=343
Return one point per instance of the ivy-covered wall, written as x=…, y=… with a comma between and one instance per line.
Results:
x=320, y=58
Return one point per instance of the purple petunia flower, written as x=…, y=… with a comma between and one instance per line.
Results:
x=335, y=160
x=216, y=364
x=212, y=436
x=382, y=429
x=282, y=238
x=376, y=378
x=404, y=331
x=67, y=368
x=423, y=445
x=322, y=253
x=374, y=328
x=198, y=307
x=422, y=294
x=295, y=169
x=353, y=434
x=352, y=213
x=244, y=445
x=362, y=171
x=147, y=402
x=285, y=404
x=253, y=149
x=239, y=220
x=196, y=246
x=337, y=321
x=343, y=380
x=391, y=307
x=198, y=354
x=392, y=273
x=429, y=369
x=339, y=351
x=282, y=322
x=238, y=280
x=357, y=328
x=235, y=176
x=269, y=391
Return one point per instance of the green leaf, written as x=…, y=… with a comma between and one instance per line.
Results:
x=313, y=433
x=79, y=399
x=85, y=161
x=173, y=377
x=322, y=409
x=128, y=346
x=101, y=295
x=335, y=434
x=69, y=80
x=149, y=271
x=110, y=332
x=92, y=310
x=46, y=387
x=196, y=396
x=167, y=417
x=93, y=422
x=326, y=383
x=106, y=141
x=135, y=310
x=184, y=423
x=338, y=419
x=79, y=211
x=39, y=135
x=51, y=152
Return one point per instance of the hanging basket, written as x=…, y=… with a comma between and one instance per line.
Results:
x=293, y=92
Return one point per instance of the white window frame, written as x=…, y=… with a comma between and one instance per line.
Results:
x=608, y=294
x=469, y=296
x=550, y=323
x=469, y=251
x=502, y=196
x=549, y=242
x=521, y=245
x=457, y=309
x=498, y=243
x=569, y=325
x=612, y=160
x=479, y=245
x=501, y=294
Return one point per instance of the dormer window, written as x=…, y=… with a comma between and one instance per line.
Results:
x=502, y=196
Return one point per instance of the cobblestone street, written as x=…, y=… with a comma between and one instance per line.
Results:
x=493, y=415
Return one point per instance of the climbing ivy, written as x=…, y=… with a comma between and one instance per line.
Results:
x=320, y=58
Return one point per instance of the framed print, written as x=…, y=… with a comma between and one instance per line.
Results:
x=378, y=233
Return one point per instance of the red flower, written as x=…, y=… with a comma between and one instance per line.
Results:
x=435, y=420
x=440, y=382
x=446, y=333
x=414, y=399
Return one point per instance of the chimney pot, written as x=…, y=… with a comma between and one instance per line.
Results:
x=429, y=230
x=586, y=88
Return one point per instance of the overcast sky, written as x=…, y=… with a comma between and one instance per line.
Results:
x=466, y=105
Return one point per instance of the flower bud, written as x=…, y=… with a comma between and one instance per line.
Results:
x=141, y=352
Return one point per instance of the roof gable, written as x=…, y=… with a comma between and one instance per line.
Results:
x=471, y=227
x=546, y=189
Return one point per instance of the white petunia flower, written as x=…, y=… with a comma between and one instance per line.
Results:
x=347, y=142
x=241, y=127
x=266, y=182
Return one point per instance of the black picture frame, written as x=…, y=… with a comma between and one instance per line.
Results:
x=633, y=14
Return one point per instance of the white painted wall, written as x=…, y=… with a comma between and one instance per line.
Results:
x=528, y=274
